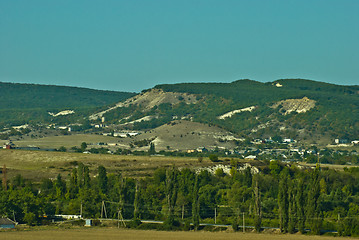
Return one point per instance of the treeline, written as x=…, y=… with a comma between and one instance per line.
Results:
x=279, y=196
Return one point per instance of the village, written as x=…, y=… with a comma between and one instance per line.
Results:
x=129, y=142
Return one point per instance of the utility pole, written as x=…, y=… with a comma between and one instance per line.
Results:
x=103, y=210
x=13, y=213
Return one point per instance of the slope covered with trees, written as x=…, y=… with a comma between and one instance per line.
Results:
x=335, y=114
x=24, y=103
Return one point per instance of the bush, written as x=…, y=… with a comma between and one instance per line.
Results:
x=213, y=157
x=187, y=225
x=134, y=223
x=171, y=224
x=219, y=172
x=62, y=149
x=235, y=224
x=30, y=218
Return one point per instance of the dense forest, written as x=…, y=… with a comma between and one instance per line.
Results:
x=293, y=199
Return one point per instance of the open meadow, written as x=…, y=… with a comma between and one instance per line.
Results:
x=36, y=165
x=113, y=233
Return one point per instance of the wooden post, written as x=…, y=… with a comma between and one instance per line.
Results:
x=118, y=219
x=103, y=210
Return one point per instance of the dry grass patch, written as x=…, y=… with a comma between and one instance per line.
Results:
x=39, y=164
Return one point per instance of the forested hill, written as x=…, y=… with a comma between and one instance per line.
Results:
x=30, y=103
x=335, y=110
x=24, y=96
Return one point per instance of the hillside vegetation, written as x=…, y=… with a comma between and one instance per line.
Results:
x=290, y=197
x=292, y=108
x=24, y=103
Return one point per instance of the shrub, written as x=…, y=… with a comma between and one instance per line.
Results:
x=213, y=158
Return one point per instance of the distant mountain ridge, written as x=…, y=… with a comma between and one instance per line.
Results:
x=292, y=108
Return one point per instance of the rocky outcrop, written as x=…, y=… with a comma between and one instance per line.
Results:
x=294, y=105
x=230, y=114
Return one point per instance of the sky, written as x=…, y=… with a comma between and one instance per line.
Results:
x=131, y=45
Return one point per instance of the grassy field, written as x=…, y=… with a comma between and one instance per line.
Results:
x=113, y=233
x=41, y=164
x=67, y=141
x=36, y=165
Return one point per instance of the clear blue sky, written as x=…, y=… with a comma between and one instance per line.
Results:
x=131, y=45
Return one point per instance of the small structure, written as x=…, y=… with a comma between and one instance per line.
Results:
x=202, y=149
x=88, y=223
x=69, y=216
x=7, y=223
x=340, y=141
x=251, y=157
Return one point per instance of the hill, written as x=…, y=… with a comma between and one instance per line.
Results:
x=305, y=110
x=24, y=103
x=290, y=108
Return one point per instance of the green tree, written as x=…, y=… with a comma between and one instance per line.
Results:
x=300, y=202
x=292, y=207
x=213, y=157
x=283, y=201
x=195, y=204
x=102, y=179
x=83, y=146
x=152, y=149
x=86, y=177
x=171, y=194
x=136, y=203
x=80, y=174
x=314, y=217
x=62, y=149
x=257, y=204
x=73, y=187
